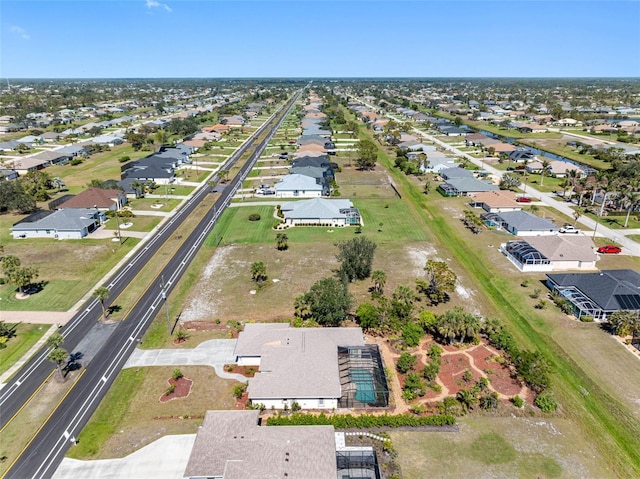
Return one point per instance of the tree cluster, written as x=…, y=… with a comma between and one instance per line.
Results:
x=367, y=154
x=16, y=274
x=356, y=257
x=327, y=302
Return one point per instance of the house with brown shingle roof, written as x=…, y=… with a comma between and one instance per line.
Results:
x=102, y=199
x=496, y=201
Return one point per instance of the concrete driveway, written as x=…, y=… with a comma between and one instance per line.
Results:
x=165, y=458
x=215, y=353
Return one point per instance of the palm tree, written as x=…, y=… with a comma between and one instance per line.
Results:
x=101, y=294
x=545, y=167
x=282, y=241
x=572, y=177
x=57, y=357
x=379, y=279
x=577, y=213
x=137, y=188
x=57, y=183
x=631, y=199
x=258, y=271
x=466, y=399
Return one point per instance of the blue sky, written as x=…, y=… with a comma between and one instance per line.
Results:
x=236, y=38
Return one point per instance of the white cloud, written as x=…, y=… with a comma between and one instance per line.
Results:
x=20, y=31
x=156, y=4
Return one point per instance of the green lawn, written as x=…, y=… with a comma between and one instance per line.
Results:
x=145, y=204
x=616, y=222
x=140, y=223
x=398, y=224
x=26, y=336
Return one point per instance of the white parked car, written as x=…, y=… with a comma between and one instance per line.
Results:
x=569, y=229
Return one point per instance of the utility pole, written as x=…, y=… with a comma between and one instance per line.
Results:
x=166, y=303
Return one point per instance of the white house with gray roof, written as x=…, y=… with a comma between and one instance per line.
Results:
x=300, y=186
x=311, y=366
x=521, y=223
x=552, y=253
x=73, y=223
x=321, y=211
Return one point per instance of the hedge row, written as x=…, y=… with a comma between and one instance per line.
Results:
x=348, y=421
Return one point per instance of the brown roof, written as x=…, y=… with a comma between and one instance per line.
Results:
x=311, y=147
x=497, y=198
x=219, y=128
x=502, y=147
x=195, y=143
x=93, y=197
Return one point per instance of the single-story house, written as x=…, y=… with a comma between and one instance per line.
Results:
x=560, y=168
x=465, y=186
x=457, y=172
x=452, y=130
x=55, y=157
x=9, y=145
x=105, y=200
x=25, y=165
x=598, y=295
x=109, y=139
x=521, y=223
x=73, y=150
x=501, y=147
x=552, y=253
x=292, y=186
x=532, y=128
x=313, y=171
x=321, y=211
x=319, y=368
x=61, y=224
x=496, y=201
x=520, y=156
x=233, y=445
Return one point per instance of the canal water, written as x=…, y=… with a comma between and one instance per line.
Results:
x=536, y=151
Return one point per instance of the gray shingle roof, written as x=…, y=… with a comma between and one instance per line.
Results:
x=298, y=182
x=451, y=173
x=525, y=221
x=470, y=185
x=230, y=444
x=296, y=363
x=609, y=289
x=61, y=220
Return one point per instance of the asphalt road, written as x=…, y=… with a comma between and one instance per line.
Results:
x=46, y=450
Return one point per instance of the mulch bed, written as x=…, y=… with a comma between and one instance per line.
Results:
x=241, y=403
x=500, y=375
x=182, y=389
x=246, y=371
x=452, y=368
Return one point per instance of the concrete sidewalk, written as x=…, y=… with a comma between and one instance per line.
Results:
x=215, y=353
x=165, y=458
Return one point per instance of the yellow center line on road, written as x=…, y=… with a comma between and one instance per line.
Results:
x=43, y=424
x=27, y=401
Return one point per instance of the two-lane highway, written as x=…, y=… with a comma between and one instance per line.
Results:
x=47, y=448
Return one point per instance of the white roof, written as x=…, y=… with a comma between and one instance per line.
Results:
x=316, y=208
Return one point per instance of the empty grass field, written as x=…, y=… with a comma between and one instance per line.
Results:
x=491, y=447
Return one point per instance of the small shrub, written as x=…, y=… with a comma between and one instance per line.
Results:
x=218, y=321
x=75, y=161
x=254, y=217
x=238, y=390
x=177, y=374
x=541, y=304
x=181, y=335
x=536, y=293
x=586, y=319
x=418, y=409
x=228, y=368
x=525, y=283
x=517, y=401
x=295, y=406
x=546, y=402
x=170, y=390
x=405, y=363
x=124, y=159
x=467, y=376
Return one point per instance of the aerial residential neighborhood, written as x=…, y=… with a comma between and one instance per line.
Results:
x=234, y=245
